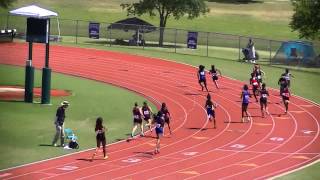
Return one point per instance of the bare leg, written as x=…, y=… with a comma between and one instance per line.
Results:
x=134, y=129
x=141, y=128
x=216, y=83
x=214, y=123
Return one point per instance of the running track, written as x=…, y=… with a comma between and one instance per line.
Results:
x=262, y=148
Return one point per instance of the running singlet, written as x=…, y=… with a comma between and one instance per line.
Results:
x=245, y=97
x=285, y=93
x=254, y=82
x=258, y=74
x=214, y=73
x=202, y=75
x=264, y=94
x=286, y=76
x=136, y=113
x=146, y=111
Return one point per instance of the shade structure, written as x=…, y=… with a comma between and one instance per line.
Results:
x=33, y=11
x=133, y=24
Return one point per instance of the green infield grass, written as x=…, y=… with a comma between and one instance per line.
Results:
x=27, y=129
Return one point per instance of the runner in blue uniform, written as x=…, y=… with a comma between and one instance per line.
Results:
x=215, y=73
x=264, y=100
x=210, y=107
x=159, y=125
x=202, y=77
x=147, y=112
x=245, y=96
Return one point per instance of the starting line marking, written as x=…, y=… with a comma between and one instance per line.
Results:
x=307, y=131
x=277, y=139
x=131, y=160
x=190, y=153
x=5, y=175
x=238, y=146
x=300, y=157
x=68, y=168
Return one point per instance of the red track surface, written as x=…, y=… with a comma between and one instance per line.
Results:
x=263, y=148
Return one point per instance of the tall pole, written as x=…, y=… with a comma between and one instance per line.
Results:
x=46, y=71
x=29, y=78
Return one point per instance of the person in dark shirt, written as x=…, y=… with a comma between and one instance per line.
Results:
x=264, y=94
x=137, y=119
x=59, y=123
x=100, y=138
x=167, y=116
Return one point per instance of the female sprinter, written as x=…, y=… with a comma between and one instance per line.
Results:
x=210, y=107
x=214, y=73
x=100, y=137
x=245, y=96
x=202, y=77
x=159, y=125
x=264, y=99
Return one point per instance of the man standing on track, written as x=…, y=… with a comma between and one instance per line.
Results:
x=59, y=123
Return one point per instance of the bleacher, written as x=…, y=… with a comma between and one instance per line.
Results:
x=7, y=35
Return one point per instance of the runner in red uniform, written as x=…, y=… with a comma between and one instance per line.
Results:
x=255, y=85
x=285, y=98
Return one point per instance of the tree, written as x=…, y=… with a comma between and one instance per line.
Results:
x=306, y=18
x=6, y=3
x=166, y=9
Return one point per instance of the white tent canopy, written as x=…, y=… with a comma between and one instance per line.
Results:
x=36, y=12
x=33, y=11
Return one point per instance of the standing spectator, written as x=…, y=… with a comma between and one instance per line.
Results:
x=100, y=138
x=59, y=123
x=252, y=51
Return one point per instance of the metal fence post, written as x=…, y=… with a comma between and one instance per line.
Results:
x=77, y=31
x=7, y=25
x=142, y=40
x=110, y=41
x=207, y=44
x=270, y=51
x=239, y=48
x=175, y=40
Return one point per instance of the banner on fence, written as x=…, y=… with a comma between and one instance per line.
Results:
x=192, y=40
x=94, y=30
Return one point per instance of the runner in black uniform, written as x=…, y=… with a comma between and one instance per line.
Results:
x=167, y=116
x=137, y=120
x=202, y=77
x=215, y=73
x=100, y=137
x=285, y=98
x=210, y=107
x=147, y=113
x=264, y=99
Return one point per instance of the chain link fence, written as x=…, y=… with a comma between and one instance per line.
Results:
x=210, y=44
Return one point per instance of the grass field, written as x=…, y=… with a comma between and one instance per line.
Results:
x=27, y=129
x=268, y=19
